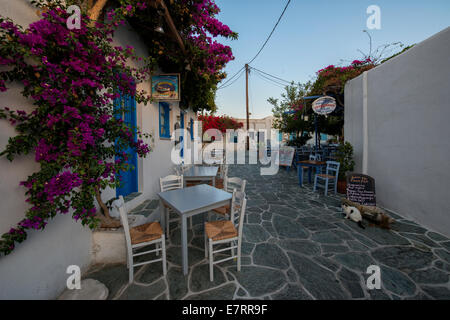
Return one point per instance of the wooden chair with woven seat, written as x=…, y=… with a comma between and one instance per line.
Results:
x=181, y=168
x=139, y=237
x=171, y=182
x=230, y=184
x=329, y=177
x=193, y=183
x=226, y=231
x=222, y=173
x=312, y=157
x=178, y=169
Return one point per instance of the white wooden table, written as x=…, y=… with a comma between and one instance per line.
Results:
x=191, y=201
x=201, y=173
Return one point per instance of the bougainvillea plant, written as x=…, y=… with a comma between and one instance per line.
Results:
x=333, y=78
x=72, y=78
x=206, y=27
x=221, y=123
x=201, y=65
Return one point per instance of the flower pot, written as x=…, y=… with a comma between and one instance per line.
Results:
x=342, y=186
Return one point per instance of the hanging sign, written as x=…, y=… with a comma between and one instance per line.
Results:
x=324, y=105
x=166, y=87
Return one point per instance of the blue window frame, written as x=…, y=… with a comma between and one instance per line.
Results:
x=191, y=128
x=164, y=120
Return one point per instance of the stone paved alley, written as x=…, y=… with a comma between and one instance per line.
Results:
x=297, y=245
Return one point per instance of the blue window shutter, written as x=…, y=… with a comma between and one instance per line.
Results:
x=160, y=124
x=167, y=120
x=164, y=120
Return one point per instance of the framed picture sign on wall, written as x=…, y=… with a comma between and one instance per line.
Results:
x=166, y=87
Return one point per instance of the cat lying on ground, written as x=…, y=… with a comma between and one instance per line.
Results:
x=353, y=214
x=376, y=215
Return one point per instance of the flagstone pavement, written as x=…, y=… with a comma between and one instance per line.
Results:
x=296, y=245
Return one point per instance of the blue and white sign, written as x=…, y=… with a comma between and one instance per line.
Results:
x=324, y=105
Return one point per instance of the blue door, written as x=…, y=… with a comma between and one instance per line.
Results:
x=182, y=133
x=129, y=179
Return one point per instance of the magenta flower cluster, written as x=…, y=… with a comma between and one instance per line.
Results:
x=31, y=223
x=206, y=27
x=360, y=62
x=331, y=69
x=73, y=77
x=61, y=184
x=297, y=108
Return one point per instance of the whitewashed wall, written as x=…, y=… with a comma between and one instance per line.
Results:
x=37, y=268
x=408, y=148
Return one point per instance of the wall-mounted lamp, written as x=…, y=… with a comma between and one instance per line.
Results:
x=159, y=29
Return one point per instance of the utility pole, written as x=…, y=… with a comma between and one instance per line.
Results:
x=247, y=70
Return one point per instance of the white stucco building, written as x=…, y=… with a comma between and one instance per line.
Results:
x=36, y=269
x=264, y=123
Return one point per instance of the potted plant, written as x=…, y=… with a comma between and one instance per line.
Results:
x=345, y=158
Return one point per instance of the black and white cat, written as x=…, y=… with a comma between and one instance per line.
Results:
x=353, y=214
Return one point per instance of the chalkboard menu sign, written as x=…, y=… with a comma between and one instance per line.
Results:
x=286, y=156
x=361, y=189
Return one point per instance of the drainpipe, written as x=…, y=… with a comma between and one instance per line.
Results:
x=365, y=158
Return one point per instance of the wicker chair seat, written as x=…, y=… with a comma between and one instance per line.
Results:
x=146, y=232
x=220, y=230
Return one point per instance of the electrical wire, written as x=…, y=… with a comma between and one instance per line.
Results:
x=223, y=85
x=227, y=83
x=268, y=80
x=272, y=75
x=271, y=80
x=273, y=30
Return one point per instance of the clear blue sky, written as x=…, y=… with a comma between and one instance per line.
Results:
x=313, y=34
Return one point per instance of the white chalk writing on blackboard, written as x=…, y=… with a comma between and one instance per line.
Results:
x=361, y=189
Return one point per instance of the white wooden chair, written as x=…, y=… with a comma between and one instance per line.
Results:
x=218, y=155
x=221, y=174
x=171, y=182
x=181, y=168
x=230, y=184
x=139, y=237
x=178, y=169
x=223, y=171
x=226, y=231
x=234, y=183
